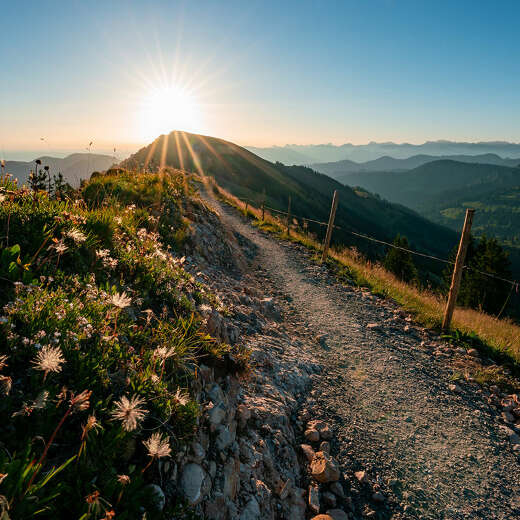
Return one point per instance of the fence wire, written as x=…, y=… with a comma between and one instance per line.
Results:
x=515, y=284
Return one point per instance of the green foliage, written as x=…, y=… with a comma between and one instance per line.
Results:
x=93, y=282
x=477, y=290
x=400, y=262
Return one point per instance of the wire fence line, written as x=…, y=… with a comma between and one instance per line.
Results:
x=514, y=283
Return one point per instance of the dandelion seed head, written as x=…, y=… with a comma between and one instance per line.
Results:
x=157, y=446
x=121, y=300
x=130, y=412
x=49, y=359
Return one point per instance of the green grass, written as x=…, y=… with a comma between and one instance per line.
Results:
x=92, y=280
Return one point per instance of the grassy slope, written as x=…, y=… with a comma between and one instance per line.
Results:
x=66, y=269
x=499, y=339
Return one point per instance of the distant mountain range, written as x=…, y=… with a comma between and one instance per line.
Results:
x=310, y=154
x=247, y=175
x=341, y=170
x=74, y=167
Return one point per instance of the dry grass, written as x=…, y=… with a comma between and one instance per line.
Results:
x=498, y=336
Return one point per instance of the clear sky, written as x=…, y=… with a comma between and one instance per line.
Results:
x=257, y=72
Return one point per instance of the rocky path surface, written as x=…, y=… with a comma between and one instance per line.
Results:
x=430, y=449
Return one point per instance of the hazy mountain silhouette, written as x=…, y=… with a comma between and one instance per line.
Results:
x=74, y=167
x=309, y=154
x=340, y=170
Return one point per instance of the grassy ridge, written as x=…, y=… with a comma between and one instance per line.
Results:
x=99, y=341
x=499, y=338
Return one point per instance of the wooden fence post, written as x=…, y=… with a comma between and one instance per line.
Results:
x=247, y=202
x=330, y=226
x=458, y=269
x=289, y=217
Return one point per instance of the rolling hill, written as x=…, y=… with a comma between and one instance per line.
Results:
x=442, y=190
x=74, y=167
x=247, y=175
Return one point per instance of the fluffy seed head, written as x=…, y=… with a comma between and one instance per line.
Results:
x=76, y=235
x=157, y=446
x=121, y=300
x=49, y=359
x=130, y=412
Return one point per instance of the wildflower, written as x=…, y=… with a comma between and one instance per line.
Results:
x=92, y=498
x=102, y=253
x=157, y=446
x=149, y=315
x=124, y=480
x=81, y=401
x=49, y=359
x=181, y=398
x=91, y=424
x=164, y=352
x=109, y=263
x=121, y=300
x=3, y=362
x=59, y=246
x=76, y=235
x=109, y=515
x=129, y=412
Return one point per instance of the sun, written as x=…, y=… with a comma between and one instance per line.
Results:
x=169, y=108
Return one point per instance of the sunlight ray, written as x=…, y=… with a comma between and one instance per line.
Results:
x=150, y=154
x=164, y=151
x=180, y=153
x=193, y=156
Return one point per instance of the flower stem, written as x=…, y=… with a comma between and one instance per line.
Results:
x=46, y=449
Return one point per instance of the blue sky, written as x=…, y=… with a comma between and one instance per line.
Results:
x=258, y=72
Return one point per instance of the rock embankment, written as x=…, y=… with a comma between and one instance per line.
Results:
x=245, y=463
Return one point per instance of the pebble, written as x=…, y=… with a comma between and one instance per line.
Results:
x=312, y=435
x=308, y=452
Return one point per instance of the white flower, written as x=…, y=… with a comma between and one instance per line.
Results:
x=158, y=446
x=49, y=359
x=129, y=412
x=181, y=398
x=164, y=352
x=121, y=300
x=76, y=235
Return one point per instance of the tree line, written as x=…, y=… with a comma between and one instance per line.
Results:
x=477, y=290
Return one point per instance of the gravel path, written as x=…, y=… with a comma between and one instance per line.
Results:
x=434, y=453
